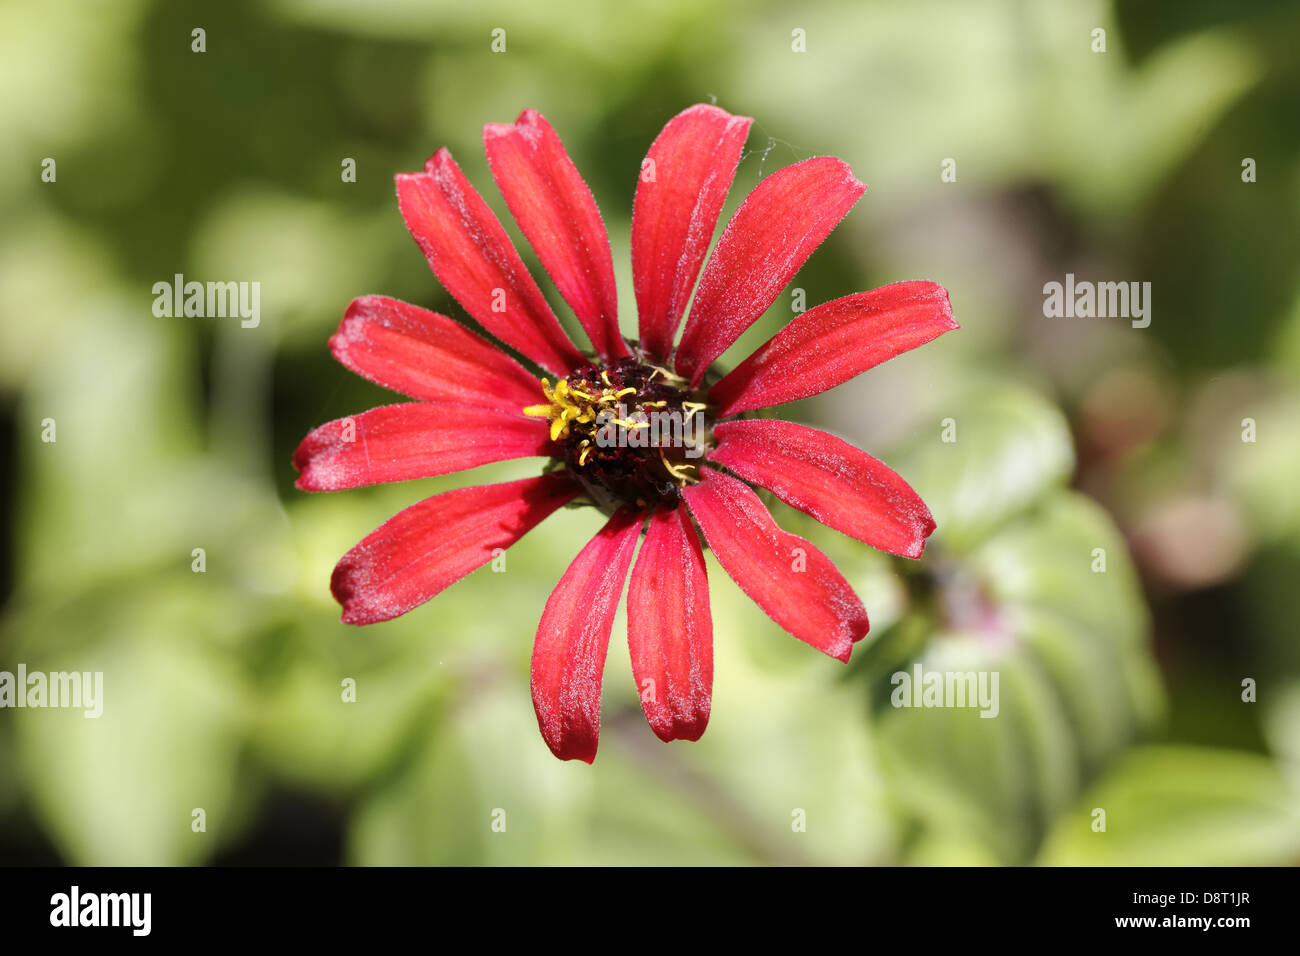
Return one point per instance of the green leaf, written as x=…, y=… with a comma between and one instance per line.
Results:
x=1076, y=683
x=1183, y=806
x=1010, y=447
x=1085, y=626
x=997, y=779
x=121, y=789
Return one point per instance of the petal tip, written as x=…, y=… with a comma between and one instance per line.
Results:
x=345, y=589
x=303, y=455
x=494, y=131
x=713, y=109
x=436, y=163
x=566, y=747
x=916, y=547
x=405, y=179
x=850, y=179
x=858, y=627
x=351, y=615
x=945, y=308
x=685, y=730
x=359, y=616
x=843, y=649
x=338, y=343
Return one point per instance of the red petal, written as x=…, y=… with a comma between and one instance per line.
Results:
x=417, y=440
x=675, y=212
x=669, y=629
x=556, y=211
x=423, y=549
x=815, y=603
x=473, y=257
x=837, y=484
x=771, y=235
x=830, y=344
x=428, y=356
x=573, y=636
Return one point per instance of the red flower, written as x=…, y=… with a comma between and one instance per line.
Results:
x=593, y=414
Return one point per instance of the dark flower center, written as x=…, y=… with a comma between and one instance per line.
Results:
x=633, y=433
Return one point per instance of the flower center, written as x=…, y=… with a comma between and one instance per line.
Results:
x=633, y=433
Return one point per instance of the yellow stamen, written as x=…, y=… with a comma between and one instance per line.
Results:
x=668, y=376
x=568, y=409
x=568, y=406
x=678, y=471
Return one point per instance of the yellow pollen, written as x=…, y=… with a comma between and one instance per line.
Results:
x=668, y=376
x=574, y=414
x=678, y=471
x=568, y=406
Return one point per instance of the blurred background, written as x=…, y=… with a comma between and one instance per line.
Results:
x=1121, y=689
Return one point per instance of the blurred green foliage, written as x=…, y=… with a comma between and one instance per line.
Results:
x=1120, y=690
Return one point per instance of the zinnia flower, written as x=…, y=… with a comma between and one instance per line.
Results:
x=586, y=411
